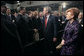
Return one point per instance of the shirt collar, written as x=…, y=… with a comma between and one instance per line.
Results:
x=48, y=15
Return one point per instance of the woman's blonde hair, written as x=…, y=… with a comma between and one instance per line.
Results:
x=35, y=13
x=74, y=11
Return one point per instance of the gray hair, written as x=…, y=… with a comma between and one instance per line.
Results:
x=48, y=9
x=20, y=8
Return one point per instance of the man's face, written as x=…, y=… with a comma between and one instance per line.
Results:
x=55, y=13
x=8, y=11
x=45, y=11
x=24, y=11
x=40, y=14
x=3, y=9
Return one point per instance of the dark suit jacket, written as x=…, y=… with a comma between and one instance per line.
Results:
x=9, y=42
x=52, y=27
x=24, y=28
x=10, y=18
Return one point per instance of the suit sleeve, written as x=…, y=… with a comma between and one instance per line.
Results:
x=74, y=36
x=55, y=26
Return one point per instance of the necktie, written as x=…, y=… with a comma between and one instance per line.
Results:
x=45, y=21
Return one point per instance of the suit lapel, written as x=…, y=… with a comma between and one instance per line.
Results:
x=48, y=20
x=44, y=22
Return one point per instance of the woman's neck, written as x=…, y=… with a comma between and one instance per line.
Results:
x=71, y=21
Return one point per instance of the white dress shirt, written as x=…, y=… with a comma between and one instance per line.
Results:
x=48, y=17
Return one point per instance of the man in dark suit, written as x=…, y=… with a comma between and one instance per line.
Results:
x=50, y=28
x=80, y=19
x=9, y=40
x=10, y=17
x=24, y=27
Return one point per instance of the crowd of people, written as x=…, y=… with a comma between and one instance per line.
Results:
x=59, y=30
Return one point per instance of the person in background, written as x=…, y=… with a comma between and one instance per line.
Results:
x=80, y=18
x=14, y=13
x=25, y=15
x=9, y=40
x=55, y=13
x=10, y=16
x=23, y=26
x=41, y=15
x=39, y=23
x=30, y=14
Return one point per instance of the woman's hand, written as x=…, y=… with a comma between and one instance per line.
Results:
x=62, y=42
x=60, y=45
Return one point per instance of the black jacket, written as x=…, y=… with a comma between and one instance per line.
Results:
x=52, y=27
x=9, y=42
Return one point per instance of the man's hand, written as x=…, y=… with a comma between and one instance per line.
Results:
x=35, y=30
x=54, y=39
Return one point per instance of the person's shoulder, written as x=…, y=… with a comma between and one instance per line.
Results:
x=76, y=24
x=19, y=16
x=52, y=16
